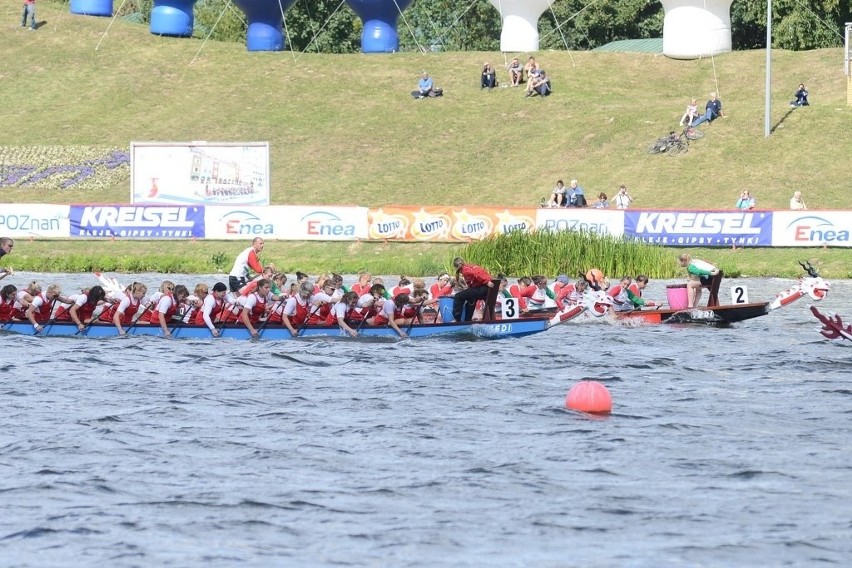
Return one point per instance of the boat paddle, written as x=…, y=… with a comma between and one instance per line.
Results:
x=305, y=323
x=416, y=314
x=272, y=311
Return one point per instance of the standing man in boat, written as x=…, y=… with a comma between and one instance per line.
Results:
x=695, y=270
x=247, y=260
x=478, y=281
x=6, y=245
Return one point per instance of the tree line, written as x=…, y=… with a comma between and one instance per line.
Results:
x=330, y=26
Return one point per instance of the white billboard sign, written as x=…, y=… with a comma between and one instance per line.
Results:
x=290, y=223
x=34, y=220
x=599, y=221
x=811, y=228
x=199, y=173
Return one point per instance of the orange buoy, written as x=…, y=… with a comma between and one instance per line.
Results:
x=589, y=396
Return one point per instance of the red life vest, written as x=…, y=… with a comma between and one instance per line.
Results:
x=153, y=315
x=198, y=318
x=42, y=314
x=8, y=310
x=257, y=309
x=301, y=313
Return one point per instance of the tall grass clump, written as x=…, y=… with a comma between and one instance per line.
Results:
x=547, y=252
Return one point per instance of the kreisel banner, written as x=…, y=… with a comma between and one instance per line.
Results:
x=34, y=220
x=137, y=222
x=200, y=173
x=700, y=228
x=811, y=228
x=294, y=223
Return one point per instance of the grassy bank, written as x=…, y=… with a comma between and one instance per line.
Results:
x=412, y=259
x=343, y=130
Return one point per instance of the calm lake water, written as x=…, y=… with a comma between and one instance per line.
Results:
x=726, y=447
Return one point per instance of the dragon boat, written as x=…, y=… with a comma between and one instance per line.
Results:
x=492, y=326
x=714, y=313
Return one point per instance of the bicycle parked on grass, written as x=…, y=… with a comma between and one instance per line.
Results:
x=675, y=144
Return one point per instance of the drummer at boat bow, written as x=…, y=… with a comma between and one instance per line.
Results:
x=478, y=281
x=245, y=261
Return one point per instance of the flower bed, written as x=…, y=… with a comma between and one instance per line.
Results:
x=63, y=167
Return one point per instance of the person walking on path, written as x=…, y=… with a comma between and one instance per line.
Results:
x=29, y=12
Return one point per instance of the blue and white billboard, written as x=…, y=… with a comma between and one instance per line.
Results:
x=137, y=222
x=700, y=228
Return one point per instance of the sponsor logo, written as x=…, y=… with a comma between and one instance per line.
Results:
x=469, y=226
x=507, y=222
x=685, y=228
x=139, y=222
x=245, y=223
x=814, y=229
x=387, y=226
x=427, y=226
x=326, y=224
x=575, y=225
x=30, y=224
x=697, y=223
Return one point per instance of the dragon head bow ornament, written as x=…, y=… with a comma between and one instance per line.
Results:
x=812, y=285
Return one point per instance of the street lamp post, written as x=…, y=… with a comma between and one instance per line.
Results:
x=767, y=129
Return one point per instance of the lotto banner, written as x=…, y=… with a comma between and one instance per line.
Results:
x=34, y=220
x=446, y=224
x=811, y=228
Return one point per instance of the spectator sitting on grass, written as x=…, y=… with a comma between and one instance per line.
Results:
x=576, y=196
x=516, y=72
x=489, y=77
x=425, y=87
x=602, y=202
x=801, y=97
x=540, y=85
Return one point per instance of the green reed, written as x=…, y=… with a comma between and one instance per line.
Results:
x=569, y=252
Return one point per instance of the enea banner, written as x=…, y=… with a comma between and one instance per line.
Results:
x=811, y=228
x=137, y=222
x=700, y=228
x=598, y=221
x=199, y=173
x=446, y=224
x=34, y=220
x=290, y=223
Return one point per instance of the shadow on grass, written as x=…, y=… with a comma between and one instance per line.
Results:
x=783, y=118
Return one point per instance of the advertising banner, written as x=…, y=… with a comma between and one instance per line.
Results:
x=34, y=220
x=446, y=224
x=598, y=221
x=199, y=173
x=293, y=223
x=700, y=228
x=811, y=228
x=137, y=222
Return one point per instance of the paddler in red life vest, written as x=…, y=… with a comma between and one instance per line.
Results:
x=695, y=270
x=538, y=295
x=363, y=285
x=166, y=308
x=322, y=302
x=370, y=304
x=211, y=308
x=396, y=313
x=342, y=311
x=255, y=305
x=297, y=309
x=477, y=281
x=246, y=261
x=442, y=287
x=83, y=308
x=42, y=306
x=8, y=297
x=121, y=313
x=635, y=292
